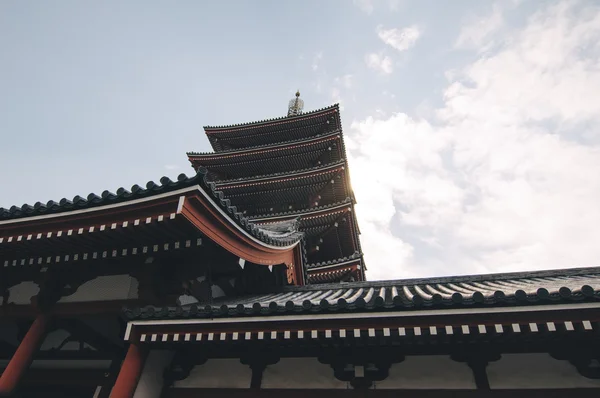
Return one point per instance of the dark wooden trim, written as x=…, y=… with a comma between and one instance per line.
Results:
x=340, y=393
x=110, y=377
x=80, y=377
x=392, y=322
x=479, y=369
x=257, y=375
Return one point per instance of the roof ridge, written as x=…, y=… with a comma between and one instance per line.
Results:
x=276, y=119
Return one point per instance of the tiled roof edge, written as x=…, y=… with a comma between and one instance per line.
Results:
x=348, y=200
x=341, y=162
x=152, y=188
x=266, y=146
x=276, y=119
x=563, y=272
x=353, y=256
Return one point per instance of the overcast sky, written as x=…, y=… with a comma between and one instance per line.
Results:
x=473, y=127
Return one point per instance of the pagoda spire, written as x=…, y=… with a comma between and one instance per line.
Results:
x=296, y=105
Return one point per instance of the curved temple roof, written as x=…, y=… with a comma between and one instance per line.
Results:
x=26, y=212
x=499, y=290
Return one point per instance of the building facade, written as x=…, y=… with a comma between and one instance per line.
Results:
x=247, y=279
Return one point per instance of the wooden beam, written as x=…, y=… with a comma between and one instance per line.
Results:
x=341, y=393
x=82, y=332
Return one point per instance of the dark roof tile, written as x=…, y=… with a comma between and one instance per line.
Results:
x=531, y=288
x=266, y=235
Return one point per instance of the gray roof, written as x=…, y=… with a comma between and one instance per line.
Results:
x=152, y=188
x=509, y=289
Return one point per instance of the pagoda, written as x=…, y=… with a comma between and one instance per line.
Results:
x=292, y=167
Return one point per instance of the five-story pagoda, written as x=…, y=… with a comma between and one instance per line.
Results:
x=292, y=167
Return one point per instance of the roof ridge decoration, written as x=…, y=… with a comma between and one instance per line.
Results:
x=266, y=146
x=271, y=120
x=286, y=236
x=341, y=162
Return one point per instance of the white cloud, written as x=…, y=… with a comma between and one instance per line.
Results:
x=336, y=97
x=394, y=5
x=400, y=39
x=478, y=30
x=317, y=60
x=379, y=62
x=365, y=5
x=171, y=166
x=503, y=180
x=345, y=81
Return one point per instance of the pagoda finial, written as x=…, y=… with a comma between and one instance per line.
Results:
x=296, y=105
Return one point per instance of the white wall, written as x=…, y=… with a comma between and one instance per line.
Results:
x=429, y=372
x=535, y=371
x=300, y=373
x=23, y=292
x=105, y=288
x=151, y=382
x=218, y=373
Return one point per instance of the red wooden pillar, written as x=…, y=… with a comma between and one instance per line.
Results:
x=130, y=372
x=22, y=358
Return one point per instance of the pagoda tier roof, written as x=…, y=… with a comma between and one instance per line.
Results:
x=318, y=226
x=260, y=149
x=356, y=256
x=323, y=209
x=336, y=270
x=473, y=293
x=279, y=178
x=294, y=191
x=193, y=200
x=282, y=157
x=266, y=178
x=337, y=275
x=274, y=130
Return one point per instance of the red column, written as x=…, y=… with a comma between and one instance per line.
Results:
x=130, y=372
x=22, y=358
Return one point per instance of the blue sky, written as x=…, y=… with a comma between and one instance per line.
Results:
x=472, y=127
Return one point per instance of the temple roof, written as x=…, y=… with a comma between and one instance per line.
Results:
x=261, y=148
x=473, y=291
x=270, y=217
x=282, y=129
x=265, y=178
x=273, y=120
x=284, y=157
x=66, y=206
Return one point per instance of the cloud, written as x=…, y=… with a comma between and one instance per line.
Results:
x=478, y=30
x=394, y=5
x=400, y=39
x=316, y=60
x=171, y=166
x=366, y=6
x=336, y=97
x=344, y=81
x=504, y=175
x=379, y=62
